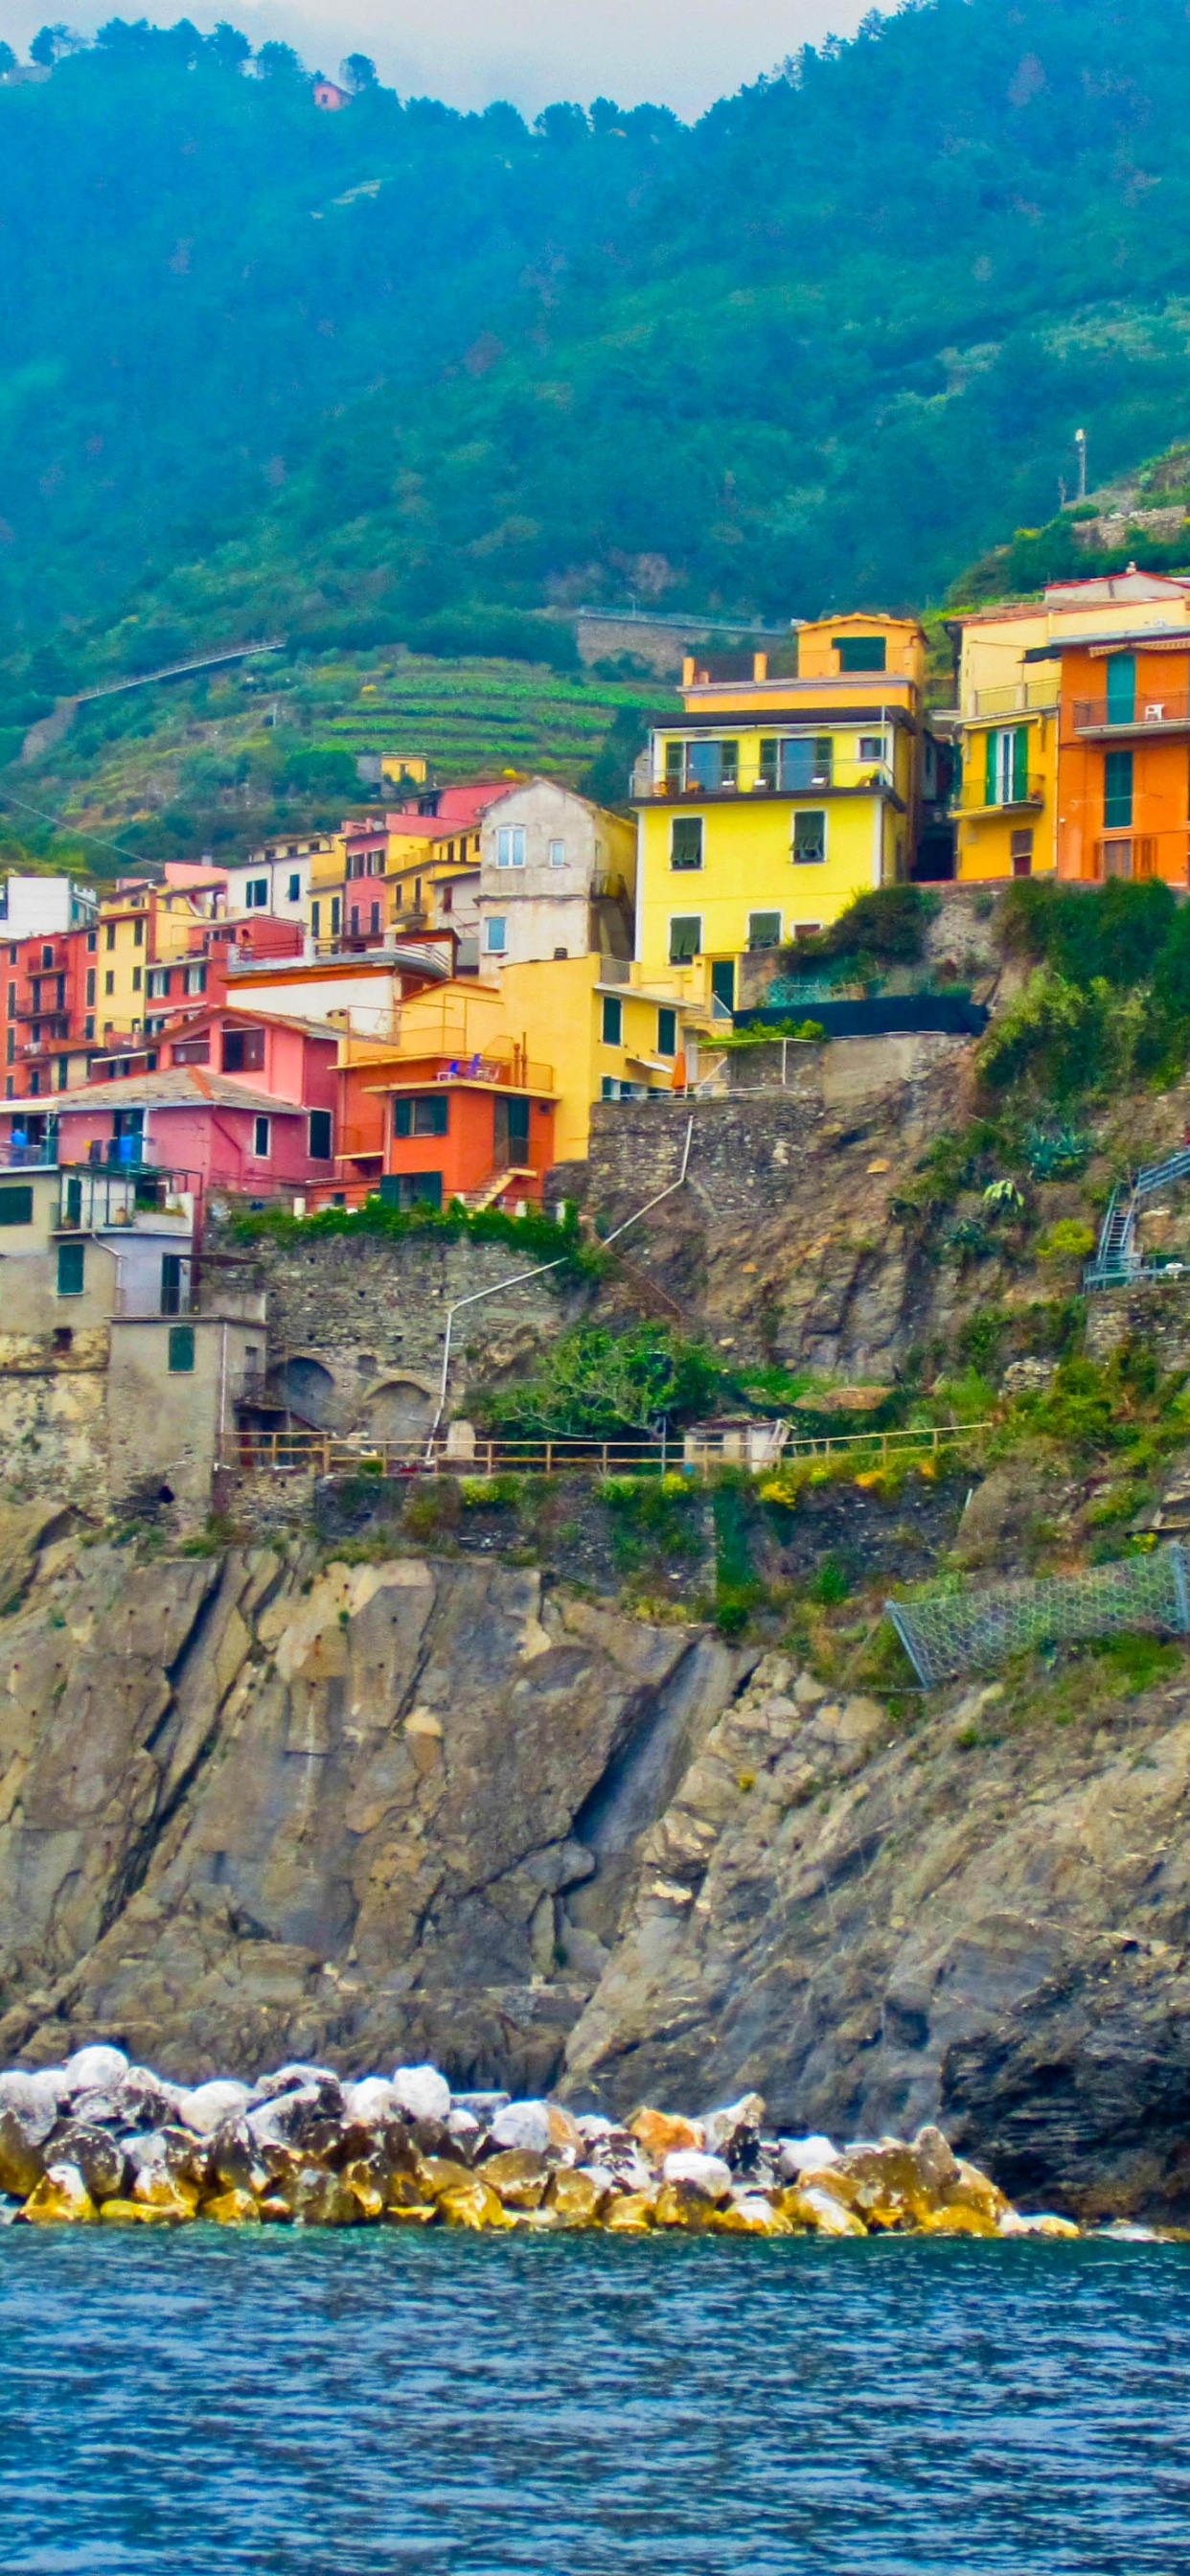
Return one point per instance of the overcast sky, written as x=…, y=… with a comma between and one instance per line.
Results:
x=685, y=52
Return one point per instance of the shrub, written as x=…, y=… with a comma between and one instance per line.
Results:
x=1070, y=1239
x=593, y=1383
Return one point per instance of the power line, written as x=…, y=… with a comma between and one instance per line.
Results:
x=74, y=830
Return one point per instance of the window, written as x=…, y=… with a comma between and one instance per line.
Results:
x=1020, y=846
x=110, y=939
x=1117, y=791
x=92, y=942
x=260, y=1138
x=157, y=983
x=861, y=652
x=171, y=1283
x=411, y=1189
x=557, y=854
x=12, y=997
x=180, y=1360
x=243, y=1050
x=354, y=920
x=90, y=988
x=510, y=846
x=336, y=915
x=416, y=1117
x=375, y=916
x=712, y=765
x=871, y=746
x=613, y=1019
x=675, y=766
x=1006, y=766
x=294, y=890
x=16, y=1205
x=47, y=956
x=1121, y=688
x=138, y=933
x=764, y=930
x=136, y=979
x=63, y=1072
x=513, y=1117
x=109, y=981
x=667, y=1032
x=495, y=934
x=321, y=1142
x=685, y=938
x=196, y=979
x=191, y=1051
x=809, y=839
x=256, y=893
x=72, y=1269
x=685, y=841
x=315, y=918
x=89, y=1025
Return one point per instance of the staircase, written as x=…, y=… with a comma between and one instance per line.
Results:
x=494, y=1188
x=649, y=1294
x=1116, y=1258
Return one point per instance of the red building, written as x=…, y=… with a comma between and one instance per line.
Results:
x=431, y=1128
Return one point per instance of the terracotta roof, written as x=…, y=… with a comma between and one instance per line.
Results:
x=179, y=1086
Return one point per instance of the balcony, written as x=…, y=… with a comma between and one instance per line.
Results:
x=980, y=811
x=1105, y=719
x=836, y=777
x=93, y=1200
x=1013, y=698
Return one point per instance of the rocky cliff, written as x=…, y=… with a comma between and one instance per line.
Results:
x=256, y=1807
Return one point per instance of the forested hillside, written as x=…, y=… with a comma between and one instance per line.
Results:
x=332, y=376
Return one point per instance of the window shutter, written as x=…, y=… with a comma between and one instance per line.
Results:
x=1020, y=764
x=990, y=742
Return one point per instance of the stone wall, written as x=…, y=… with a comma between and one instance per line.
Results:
x=53, y=1425
x=357, y=1323
x=1149, y=1311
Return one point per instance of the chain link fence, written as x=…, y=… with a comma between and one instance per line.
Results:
x=955, y=1633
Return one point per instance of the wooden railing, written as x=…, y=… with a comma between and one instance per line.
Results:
x=323, y=1453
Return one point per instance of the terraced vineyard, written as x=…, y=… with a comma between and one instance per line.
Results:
x=472, y=716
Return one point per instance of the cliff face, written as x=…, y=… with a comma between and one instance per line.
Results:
x=251, y=1809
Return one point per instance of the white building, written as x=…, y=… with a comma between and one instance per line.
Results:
x=275, y=879
x=38, y=907
x=557, y=877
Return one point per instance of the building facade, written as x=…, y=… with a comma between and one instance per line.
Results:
x=557, y=877
x=778, y=796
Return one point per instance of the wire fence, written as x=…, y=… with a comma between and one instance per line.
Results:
x=958, y=1633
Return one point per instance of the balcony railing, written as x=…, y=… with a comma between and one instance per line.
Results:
x=92, y=1199
x=1167, y=714
x=1013, y=698
x=974, y=805
x=838, y=777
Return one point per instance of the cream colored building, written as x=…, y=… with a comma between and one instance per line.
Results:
x=557, y=877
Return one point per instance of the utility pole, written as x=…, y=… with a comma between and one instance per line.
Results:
x=1080, y=441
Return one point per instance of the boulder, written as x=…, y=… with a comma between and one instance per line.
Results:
x=421, y=2092
x=207, y=2107
x=287, y=2119
x=573, y=2196
x=165, y=2193
x=322, y=2081
x=60, y=2198
x=939, y=2167
x=93, y=2070
x=172, y=2150
x=145, y=2101
x=630, y=2213
x=370, y=2102
x=734, y=2131
x=884, y=2184
x=660, y=2131
x=137, y=2213
x=518, y=2175
x=235, y=2162
x=684, y=2204
x=436, y=2174
x=819, y=2210
x=522, y=2124
x=482, y=2106
x=750, y=2214
x=99, y=2158
x=22, y=2162
x=709, y=2174
x=365, y=2178
x=962, y=2220
x=804, y=2155
x=1037, y=2223
x=319, y=2199
x=30, y=2103
x=464, y=2128
x=232, y=2209
x=472, y=2205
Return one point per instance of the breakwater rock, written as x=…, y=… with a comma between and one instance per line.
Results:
x=100, y=2138
x=258, y=1809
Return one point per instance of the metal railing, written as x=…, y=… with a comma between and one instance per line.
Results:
x=1013, y=698
x=974, y=803
x=325, y=1453
x=831, y=777
x=1165, y=714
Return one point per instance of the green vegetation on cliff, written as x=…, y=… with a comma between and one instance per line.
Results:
x=266, y=369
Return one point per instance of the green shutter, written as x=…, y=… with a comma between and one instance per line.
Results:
x=990, y=741
x=181, y=1350
x=16, y=1205
x=71, y=1269
x=1020, y=764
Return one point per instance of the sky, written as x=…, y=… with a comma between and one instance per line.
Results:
x=684, y=53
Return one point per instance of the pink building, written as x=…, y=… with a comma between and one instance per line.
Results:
x=237, y=1101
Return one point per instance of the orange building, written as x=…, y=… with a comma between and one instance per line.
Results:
x=1124, y=754
x=428, y=1124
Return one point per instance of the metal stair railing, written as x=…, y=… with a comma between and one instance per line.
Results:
x=1116, y=1258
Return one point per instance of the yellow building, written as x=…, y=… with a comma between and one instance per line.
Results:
x=778, y=796
x=1008, y=804
x=587, y=1038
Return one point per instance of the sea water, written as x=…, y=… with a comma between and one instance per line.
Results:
x=211, y=2401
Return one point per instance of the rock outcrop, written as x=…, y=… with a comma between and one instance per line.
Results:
x=256, y=1809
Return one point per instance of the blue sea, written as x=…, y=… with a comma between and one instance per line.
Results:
x=205, y=2402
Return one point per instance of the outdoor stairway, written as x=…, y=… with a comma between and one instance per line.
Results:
x=494, y=1189
x=1116, y=1258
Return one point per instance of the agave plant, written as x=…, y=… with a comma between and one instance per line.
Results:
x=1002, y=1198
